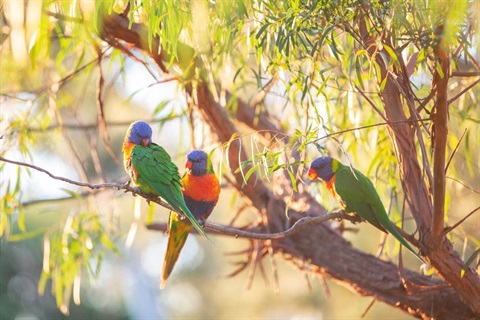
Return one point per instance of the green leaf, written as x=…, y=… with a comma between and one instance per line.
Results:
x=21, y=219
x=161, y=106
x=439, y=69
x=294, y=181
x=42, y=282
x=72, y=193
x=249, y=173
x=243, y=166
x=391, y=53
x=26, y=235
x=383, y=84
x=109, y=244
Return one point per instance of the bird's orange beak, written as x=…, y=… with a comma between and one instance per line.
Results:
x=145, y=142
x=312, y=174
x=188, y=165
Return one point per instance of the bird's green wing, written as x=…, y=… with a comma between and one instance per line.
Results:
x=360, y=196
x=159, y=175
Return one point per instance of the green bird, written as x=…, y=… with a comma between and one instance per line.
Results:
x=151, y=170
x=356, y=193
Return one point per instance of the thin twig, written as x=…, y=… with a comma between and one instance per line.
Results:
x=112, y=185
x=94, y=126
x=448, y=229
x=238, y=233
x=463, y=91
x=465, y=74
x=368, y=308
x=380, y=113
x=370, y=126
x=463, y=184
x=455, y=150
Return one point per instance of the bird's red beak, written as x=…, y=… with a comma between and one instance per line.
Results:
x=145, y=142
x=188, y=165
x=312, y=174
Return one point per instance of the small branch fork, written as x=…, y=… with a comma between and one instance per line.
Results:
x=216, y=228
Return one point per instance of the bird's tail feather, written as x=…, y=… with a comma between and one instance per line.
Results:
x=177, y=236
x=394, y=232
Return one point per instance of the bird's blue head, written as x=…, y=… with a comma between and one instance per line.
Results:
x=139, y=132
x=198, y=163
x=323, y=168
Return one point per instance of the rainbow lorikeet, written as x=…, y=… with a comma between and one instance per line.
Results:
x=151, y=169
x=201, y=190
x=356, y=193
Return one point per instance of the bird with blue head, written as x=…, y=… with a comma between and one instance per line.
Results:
x=356, y=194
x=152, y=171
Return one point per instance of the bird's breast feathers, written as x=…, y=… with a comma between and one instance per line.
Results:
x=127, y=149
x=201, y=188
x=330, y=184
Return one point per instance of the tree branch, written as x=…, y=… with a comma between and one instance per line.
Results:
x=466, y=89
x=465, y=74
x=94, y=126
x=112, y=185
x=237, y=233
x=440, y=118
x=256, y=234
x=449, y=229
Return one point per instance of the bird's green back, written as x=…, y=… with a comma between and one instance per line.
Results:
x=359, y=195
x=157, y=173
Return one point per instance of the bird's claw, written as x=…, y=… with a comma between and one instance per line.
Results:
x=127, y=186
x=135, y=190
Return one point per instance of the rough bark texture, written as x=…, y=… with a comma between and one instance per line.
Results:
x=319, y=247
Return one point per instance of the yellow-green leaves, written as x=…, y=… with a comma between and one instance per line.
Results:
x=73, y=253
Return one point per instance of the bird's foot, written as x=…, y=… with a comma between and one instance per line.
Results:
x=134, y=190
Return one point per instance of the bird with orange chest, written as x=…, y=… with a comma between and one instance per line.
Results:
x=201, y=190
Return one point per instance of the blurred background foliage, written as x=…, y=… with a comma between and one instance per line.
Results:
x=62, y=245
